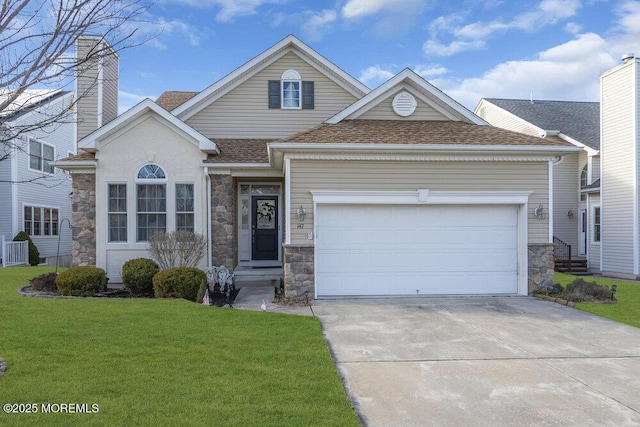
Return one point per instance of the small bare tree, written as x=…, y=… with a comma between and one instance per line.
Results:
x=177, y=249
x=36, y=42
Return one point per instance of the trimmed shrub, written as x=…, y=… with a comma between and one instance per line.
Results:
x=579, y=291
x=137, y=275
x=44, y=283
x=34, y=254
x=83, y=281
x=179, y=282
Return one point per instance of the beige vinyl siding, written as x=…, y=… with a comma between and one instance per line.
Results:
x=595, y=172
x=498, y=117
x=593, y=247
x=309, y=175
x=384, y=111
x=244, y=112
x=565, y=199
x=617, y=171
x=86, y=90
x=109, y=89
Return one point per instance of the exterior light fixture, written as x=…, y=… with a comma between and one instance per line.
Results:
x=540, y=212
x=301, y=214
x=570, y=214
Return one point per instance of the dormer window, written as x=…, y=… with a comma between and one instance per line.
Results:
x=291, y=81
x=291, y=93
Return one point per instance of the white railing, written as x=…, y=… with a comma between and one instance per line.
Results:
x=14, y=253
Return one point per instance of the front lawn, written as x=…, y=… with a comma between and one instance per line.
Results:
x=162, y=362
x=626, y=310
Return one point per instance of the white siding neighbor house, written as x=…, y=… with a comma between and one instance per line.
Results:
x=576, y=176
x=289, y=165
x=36, y=196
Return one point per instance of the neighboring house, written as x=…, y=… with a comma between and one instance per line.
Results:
x=576, y=176
x=289, y=162
x=617, y=227
x=35, y=196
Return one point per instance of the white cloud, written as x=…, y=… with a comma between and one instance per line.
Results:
x=229, y=9
x=360, y=8
x=318, y=23
x=375, y=75
x=433, y=47
x=127, y=100
x=429, y=71
x=567, y=72
x=473, y=36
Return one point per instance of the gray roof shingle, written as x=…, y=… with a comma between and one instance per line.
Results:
x=576, y=119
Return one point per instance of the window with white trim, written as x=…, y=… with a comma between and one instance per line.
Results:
x=291, y=92
x=151, y=202
x=40, y=154
x=185, y=208
x=40, y=221
x=117, y=212
x=584, y=181
x=596, y=224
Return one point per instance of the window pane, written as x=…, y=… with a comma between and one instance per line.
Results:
x=47, y=156
x=291, y=94
x=117, y=212
x=151, y=172
x=37, y=218
x=54, y=222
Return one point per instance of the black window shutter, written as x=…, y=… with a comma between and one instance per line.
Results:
x=274, y=93
x=307, y=95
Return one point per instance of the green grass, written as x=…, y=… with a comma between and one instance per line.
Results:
x=626, y=310
x=163, y=362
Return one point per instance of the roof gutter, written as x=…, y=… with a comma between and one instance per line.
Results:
x=420, y=148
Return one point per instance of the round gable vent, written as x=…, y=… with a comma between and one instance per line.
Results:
x=404, y=104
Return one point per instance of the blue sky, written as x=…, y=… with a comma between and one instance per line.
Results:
x=555, y=49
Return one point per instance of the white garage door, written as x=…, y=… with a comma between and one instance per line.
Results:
x=415, y=250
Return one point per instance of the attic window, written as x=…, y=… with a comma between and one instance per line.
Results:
x=291, y=93
x=404, y=104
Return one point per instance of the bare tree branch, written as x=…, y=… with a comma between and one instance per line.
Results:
x=37, y=40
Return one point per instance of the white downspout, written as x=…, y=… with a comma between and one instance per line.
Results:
x=208, y=215
x=287, y=200
x=636, y=227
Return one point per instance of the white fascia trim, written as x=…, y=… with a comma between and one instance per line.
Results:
x=237, y=165
x=92, y=142
x=636, y=226
x=190, y=107
x=287, y=201
x=419, y=148
x=77, y=164
x=550, y=200
x=590, y=151
x=541, y=132
x=420, y=83
x=421, y=196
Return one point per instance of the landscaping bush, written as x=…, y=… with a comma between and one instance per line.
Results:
x=83, y=281
x=579, y=291
x=45, y=282
x=137, y=275
x=177, y=249
x=180, y=282
x=34, y=254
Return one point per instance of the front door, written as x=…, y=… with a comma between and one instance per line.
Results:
x=582, y=235
x=264, y=228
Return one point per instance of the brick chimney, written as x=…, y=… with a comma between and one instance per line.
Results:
x=96, y=84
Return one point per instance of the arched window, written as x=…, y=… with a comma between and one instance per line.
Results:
x=151, y=202
x=584, y=176
x=291, y=82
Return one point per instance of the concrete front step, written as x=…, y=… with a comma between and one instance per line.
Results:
x=271, y=275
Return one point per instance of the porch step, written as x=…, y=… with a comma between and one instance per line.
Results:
x=258, y=274
x=576, y=266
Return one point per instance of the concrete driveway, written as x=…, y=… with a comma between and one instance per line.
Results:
x=473, y=361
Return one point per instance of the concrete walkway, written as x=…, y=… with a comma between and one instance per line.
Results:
x=482, y=361
x=252, y=294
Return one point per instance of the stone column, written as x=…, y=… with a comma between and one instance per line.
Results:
x=83, y=215
x=541, y=267
x=223, y=221
x=299, y=270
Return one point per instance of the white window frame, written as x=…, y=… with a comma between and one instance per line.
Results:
x=125, y=213
x=41, y=157
x=150, y=181
x=594, y=224
x=41, y=222
x=290, y=76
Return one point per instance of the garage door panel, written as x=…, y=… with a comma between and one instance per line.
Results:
x=398, y=250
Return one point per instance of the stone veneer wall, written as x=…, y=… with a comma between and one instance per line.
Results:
x=83, y=246
x=541, y=267
x=223, y=218
x=298, y=272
